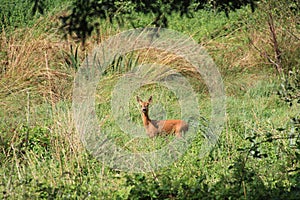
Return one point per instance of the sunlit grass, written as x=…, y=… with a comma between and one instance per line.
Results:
x=42, y=155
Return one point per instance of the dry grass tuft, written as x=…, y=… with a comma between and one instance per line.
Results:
x=33, y=63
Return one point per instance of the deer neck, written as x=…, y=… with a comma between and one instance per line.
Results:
x=146, y=119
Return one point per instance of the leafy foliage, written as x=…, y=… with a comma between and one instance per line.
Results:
x=82, y=19
x=290, y=87
x=24, y=13
x=14, y=17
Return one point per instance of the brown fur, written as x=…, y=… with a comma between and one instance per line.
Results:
x=156, y=127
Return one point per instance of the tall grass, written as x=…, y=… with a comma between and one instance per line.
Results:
x=42, y=155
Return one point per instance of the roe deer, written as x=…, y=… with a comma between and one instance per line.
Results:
x=156, y=127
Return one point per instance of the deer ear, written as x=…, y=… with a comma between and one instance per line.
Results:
x=150, y=99
x=138, y=99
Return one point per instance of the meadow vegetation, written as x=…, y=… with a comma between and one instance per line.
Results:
x=257, y=154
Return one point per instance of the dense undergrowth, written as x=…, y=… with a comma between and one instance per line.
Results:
x=256, y=157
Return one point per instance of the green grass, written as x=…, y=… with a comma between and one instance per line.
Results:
x=52, y=163
x=42, y=156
